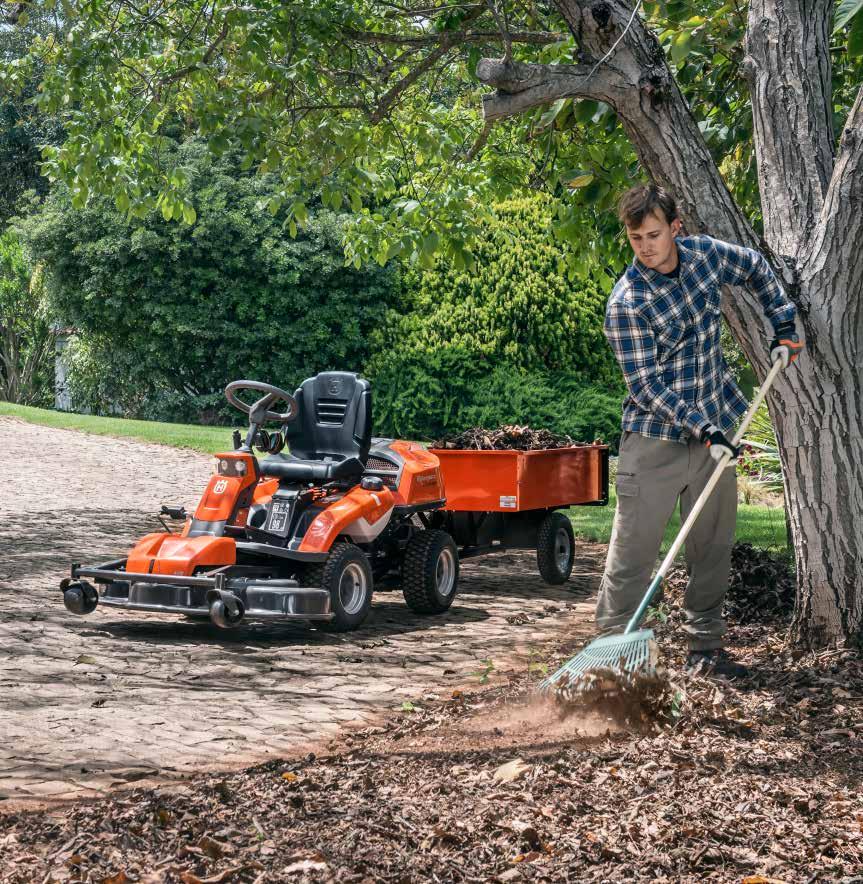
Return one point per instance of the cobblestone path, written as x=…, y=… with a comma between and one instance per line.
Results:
x=90, y=704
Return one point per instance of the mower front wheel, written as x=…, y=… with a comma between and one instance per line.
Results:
x=430, y=572
x=347, y=576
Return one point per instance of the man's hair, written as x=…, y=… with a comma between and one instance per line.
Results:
x=642, y=200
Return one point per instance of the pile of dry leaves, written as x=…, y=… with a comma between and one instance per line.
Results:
x=754, y=782
x=509, y=437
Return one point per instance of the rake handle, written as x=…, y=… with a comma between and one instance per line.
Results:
x=702, y=500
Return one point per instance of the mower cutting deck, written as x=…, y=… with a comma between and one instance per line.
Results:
x=309, y=535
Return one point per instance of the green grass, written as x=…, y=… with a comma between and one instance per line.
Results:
x=759, y=525
x=208, y=440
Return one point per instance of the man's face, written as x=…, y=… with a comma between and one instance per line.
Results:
x=653, y=241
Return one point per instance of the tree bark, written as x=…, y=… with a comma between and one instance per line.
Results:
x=813, y=210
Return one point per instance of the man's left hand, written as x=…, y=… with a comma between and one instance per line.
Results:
x=786, y=345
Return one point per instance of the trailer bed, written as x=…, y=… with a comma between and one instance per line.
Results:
x=516, y=481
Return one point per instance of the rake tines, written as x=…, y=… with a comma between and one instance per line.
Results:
x=628, y=653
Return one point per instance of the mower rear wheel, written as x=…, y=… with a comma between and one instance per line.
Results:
x=555, y=548
x=347, y=576
x=430, y=572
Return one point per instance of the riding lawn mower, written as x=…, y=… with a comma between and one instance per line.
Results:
x=305, y=535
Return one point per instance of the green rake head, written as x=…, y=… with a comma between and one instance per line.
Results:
x=628, y=653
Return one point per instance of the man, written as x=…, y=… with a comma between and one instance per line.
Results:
x=663, y=322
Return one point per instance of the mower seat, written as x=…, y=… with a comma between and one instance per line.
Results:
x=331, y=435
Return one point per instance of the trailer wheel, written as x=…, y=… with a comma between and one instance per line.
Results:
x=555, y=548
x=430, y=572
x=347, y=576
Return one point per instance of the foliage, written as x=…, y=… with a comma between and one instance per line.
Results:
x=512, y=342
x=24, y=129
x=386, y=100
x=26, y=335
x=168, y=314
x=424, y=398
x=517, y=307
x=760, y=461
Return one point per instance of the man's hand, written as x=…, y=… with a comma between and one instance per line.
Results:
x=786, y=345
x=718, y=444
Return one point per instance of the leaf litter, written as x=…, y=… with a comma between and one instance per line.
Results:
x=696, y=780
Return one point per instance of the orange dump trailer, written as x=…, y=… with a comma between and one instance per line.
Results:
x=498, y=500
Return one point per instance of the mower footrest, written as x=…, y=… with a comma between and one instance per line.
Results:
x=262, y=600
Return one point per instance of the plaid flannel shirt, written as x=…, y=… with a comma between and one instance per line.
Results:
x=665, y=334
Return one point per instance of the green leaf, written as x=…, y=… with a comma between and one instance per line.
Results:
x=581, y=180
x=189, y=214
x=553, y=112
x=855, y=37
x=167, y=209
x=584, y=110
x=680, y=46
x=845, y=11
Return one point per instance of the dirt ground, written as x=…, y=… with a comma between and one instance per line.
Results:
x=90, y=704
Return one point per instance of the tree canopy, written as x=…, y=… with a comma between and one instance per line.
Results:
x=385, y=97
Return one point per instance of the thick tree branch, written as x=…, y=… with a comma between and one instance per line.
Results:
x=534, y=38
x=636, y=81
x=523, y=86
x=788, y=68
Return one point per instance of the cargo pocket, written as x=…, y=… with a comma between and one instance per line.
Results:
x=627, y=488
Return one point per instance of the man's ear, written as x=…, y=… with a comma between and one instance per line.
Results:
x=675, y=227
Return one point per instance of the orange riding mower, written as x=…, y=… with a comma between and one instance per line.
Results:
x=310, y=534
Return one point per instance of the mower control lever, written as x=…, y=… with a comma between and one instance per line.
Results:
x=175, y=512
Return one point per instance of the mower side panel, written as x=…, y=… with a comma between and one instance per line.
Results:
x=180, y=556
x=421, y=478
x=358, y=507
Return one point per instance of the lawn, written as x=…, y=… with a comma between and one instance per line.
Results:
x=759, y=525
x=208, y=440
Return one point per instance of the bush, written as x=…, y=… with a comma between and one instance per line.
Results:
x=423, y=400
x=167, y=314
x=515, y=307
x=511, y=341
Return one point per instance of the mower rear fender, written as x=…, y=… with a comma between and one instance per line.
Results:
x=360, y=512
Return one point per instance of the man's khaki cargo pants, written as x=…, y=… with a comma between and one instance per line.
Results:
x=652, y=474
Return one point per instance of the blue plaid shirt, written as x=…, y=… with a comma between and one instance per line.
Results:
x=665, y=334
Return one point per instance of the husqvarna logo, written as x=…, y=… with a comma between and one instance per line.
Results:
x=220, y=486
x=334, y=386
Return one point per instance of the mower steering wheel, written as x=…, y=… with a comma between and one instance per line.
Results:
x=259, y=412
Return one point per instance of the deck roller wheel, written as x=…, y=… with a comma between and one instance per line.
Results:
x=347, y=576
x=555, y=548
x=430, y=572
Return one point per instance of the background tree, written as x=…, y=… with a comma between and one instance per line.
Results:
x=379, y=95
x=26, y=334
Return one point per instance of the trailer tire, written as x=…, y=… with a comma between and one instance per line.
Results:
x=555, y=548
x=430, y=572
x=347, y=576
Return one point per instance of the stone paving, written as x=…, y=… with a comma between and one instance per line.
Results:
x=90, y=704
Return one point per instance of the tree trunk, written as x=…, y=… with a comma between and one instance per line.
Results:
x=811, y=204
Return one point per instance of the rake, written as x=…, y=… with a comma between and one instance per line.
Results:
x=635, y=649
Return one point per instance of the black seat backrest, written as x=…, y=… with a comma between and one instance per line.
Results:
x=335, y=418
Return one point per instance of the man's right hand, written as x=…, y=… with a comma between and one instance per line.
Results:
x=718, y=444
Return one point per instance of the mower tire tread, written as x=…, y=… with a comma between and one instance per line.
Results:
x=547, y=552
x=420, y=571
x=328, y=576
